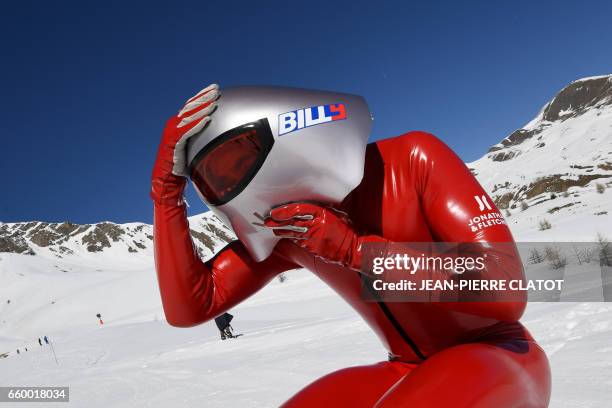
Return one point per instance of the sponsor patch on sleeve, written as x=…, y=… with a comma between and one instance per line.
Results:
x=488, y=216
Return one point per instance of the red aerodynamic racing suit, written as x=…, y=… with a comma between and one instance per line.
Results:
x=414, y=189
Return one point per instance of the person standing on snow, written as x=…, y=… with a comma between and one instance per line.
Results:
x=291, y=172
x=223, y=324
x=39, y=342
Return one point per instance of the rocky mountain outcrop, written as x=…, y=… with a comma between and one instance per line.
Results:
x=65, y=239
x=564, y=153
x=572, y=101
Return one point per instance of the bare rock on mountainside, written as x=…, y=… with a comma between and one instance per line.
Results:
x=578, y=97
x=101, y=235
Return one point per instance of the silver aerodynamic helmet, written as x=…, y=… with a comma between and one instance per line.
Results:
x=267, y=146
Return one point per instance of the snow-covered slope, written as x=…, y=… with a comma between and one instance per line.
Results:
x=295, y=332
x=57, y=275
x=54, y=279
x=555, y=165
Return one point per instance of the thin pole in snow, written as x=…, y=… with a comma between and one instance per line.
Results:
x=53, y=350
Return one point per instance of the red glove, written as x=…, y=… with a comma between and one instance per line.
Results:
x=170, y=169
x=322, y=231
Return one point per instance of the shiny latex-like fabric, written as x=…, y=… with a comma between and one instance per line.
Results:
x=322, y=231
x=474, y=375
x=415, y=189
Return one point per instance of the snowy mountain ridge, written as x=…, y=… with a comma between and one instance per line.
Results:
x=558, y=165
x=103, y=239
x=572, y=101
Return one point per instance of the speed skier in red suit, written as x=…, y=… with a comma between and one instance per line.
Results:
x=291, y=172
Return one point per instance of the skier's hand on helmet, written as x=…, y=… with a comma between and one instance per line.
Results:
x=322, y=231
x=170, y=169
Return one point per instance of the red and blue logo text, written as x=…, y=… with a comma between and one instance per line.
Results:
x=302, y=118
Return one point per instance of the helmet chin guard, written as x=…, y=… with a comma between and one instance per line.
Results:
x=266, y=146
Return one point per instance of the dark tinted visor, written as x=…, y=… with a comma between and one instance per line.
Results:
x=225, y=166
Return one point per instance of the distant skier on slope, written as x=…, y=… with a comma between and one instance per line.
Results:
x=40, y=342
x=223, y=323
x=291, y=171
x=46, y=340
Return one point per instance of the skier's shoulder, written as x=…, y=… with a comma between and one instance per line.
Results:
x=413, y=145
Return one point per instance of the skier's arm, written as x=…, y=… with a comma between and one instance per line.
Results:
x=192, y=291
x=459, y=210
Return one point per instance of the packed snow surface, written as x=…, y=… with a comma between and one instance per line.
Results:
x=295, y=332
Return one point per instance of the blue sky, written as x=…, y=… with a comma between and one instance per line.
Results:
x=86, y=89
